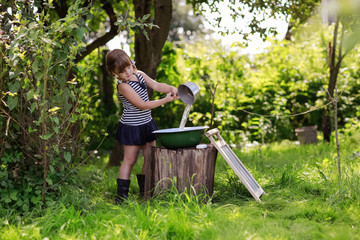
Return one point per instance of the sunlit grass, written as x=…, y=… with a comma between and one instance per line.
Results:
x=306, y=199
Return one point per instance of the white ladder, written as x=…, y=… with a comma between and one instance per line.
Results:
x=245, y=176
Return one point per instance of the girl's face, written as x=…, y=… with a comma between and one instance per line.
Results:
x=127, y=73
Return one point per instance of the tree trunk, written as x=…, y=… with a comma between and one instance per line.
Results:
x=117, y=155
x=148, y=51
x=326, y=124
x=288, y=34
x=334, y=66
x=107, y=88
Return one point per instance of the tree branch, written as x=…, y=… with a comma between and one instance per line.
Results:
x=333, y=53
x=212, y=103
x=106, y=37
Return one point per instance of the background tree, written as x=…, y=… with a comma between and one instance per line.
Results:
x=346, y=35
x=256, y=13
x=185, y=25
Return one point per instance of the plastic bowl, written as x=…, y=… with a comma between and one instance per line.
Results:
x=174, y=138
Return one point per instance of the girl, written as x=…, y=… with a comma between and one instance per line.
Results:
x=136, y=124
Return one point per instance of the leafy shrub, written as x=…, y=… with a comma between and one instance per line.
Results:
x=39, y=121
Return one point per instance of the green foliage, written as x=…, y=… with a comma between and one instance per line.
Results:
x=39, y=120
x=138, y=26
x=21, y=198
x=262, y=99
x=100, y=118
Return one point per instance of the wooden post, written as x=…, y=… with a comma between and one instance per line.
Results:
x=193, y=168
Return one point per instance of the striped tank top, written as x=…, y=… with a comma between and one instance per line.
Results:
x=132, y=115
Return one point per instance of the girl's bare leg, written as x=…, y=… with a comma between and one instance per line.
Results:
x=130, y=157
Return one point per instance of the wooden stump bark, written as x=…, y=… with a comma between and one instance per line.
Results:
x=189, y=169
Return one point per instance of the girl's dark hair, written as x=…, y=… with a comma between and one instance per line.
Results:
x=116, y=61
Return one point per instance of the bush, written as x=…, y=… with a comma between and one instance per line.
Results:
x=39, y=128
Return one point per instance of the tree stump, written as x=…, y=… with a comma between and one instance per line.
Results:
x=307, y=135
x=192, y=168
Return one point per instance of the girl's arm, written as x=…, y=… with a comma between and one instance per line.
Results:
x=159, y=87
x=129, y=93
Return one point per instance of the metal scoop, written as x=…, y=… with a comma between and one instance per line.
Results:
x=188, y=92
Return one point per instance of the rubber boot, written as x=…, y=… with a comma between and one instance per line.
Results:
x=122, y=190
x=141, y=182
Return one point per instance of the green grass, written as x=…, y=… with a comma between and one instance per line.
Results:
x=306, y=199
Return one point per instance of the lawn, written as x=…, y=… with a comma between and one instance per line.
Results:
x=306, y=199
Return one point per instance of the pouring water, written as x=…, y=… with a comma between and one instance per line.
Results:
x=188, y=93
x=185, y=116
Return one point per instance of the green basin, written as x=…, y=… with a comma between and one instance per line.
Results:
x=174, y=138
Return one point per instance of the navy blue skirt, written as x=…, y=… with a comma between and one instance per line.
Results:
x=136, y=135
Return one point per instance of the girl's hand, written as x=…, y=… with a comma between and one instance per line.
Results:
x=174, y=93
x=171, y=97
